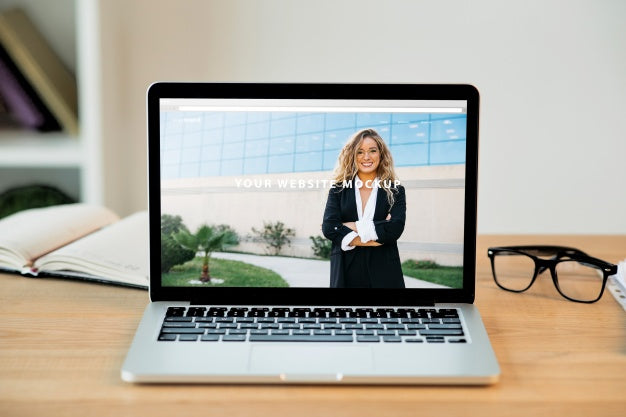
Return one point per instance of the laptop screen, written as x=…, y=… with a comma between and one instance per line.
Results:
x=318, y=193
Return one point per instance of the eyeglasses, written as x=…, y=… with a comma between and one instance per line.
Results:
x=576, y=275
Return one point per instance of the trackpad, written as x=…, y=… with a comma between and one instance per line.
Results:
x=310, y=359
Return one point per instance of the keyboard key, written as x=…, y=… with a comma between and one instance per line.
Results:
x=204, y=319
x=386, y=332
x=457, y=341
x=266, y=320
x=244, y=320
x=239, y=312
x=167, y=337
x=301, y=332
x=320, y=312
x=285, y=320
x=368, y=339
x=407, y=333
x=446, y=312
x=196, y=312
x=442, y=332
x=224, y=320
x=210, y=338
x=178, y=324
x=392, y=339
x=323, y=332
x=396, y=327
x=234, y=338
x=175, y=312
x=414, y=340
x=179, y=319
x=299, y=312
x=187, y=337
x=216, y=312
x=445, y=326
x=258, y=312
x=365, y=332
x=289, y=338
x=171, y=330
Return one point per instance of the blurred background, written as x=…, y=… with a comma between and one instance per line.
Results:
x=552, y=77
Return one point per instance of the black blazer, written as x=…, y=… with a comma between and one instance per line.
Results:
x=383, y=261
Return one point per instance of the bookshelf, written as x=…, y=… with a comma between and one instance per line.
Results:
x=72, y=163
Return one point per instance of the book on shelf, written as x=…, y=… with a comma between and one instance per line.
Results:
x=40, y=66
x=24, y=105
x=78, y=241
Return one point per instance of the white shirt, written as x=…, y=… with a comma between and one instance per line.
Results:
x=365, y=225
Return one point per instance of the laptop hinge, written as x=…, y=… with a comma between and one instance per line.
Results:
x=412, y=303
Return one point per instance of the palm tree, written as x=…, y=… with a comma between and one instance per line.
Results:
x=207, y=240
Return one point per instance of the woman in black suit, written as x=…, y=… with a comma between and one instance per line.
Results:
x=364, y=216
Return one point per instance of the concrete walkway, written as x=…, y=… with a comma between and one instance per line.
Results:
x=303, y=272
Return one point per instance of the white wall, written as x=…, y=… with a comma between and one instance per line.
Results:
x=552, y=76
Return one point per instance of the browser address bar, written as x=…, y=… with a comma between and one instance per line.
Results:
x=323, y=109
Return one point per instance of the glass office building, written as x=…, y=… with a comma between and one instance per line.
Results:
x=209, y=144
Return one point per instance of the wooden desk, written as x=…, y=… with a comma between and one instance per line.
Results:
x=62, y=344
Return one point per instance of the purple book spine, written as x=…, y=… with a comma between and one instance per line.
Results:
x=17, y=100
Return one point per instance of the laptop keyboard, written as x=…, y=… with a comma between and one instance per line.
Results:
x=297, y=324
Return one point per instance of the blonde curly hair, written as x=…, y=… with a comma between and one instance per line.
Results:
x=346, y=168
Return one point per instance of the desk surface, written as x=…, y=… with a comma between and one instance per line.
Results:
x=62, y=344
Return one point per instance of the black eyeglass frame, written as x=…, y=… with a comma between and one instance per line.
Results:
x=559, y=254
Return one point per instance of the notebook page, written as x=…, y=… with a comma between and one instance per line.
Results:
x=118, y=252
x=29, y=234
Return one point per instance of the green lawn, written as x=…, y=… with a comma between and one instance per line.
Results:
x=450, y=276
x=234, y=274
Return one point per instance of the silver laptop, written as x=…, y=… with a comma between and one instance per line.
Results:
x=312, y=233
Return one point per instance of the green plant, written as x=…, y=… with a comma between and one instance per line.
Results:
x=274, y=235
x=321, y=246
x=427, y=270
x=232, y=273
x=207, y=240
x=171, y=252
x=421, y=264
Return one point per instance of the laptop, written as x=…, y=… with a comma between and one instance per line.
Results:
x=312, y=233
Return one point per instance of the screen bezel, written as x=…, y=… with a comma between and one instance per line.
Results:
x=313, y=296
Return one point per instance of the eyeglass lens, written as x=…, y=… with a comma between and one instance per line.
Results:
x=579, y=281
x=576, y=280
x=513, y=271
